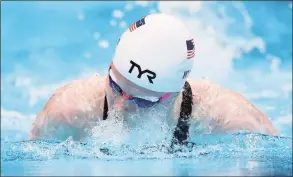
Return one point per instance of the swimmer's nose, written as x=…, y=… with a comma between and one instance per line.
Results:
x=119, y=102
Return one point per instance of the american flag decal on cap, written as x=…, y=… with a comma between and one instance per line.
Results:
x=190, y=48
x=137, y=24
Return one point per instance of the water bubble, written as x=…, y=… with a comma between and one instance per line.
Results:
x=103, y=43
x=113, y=22
x=117, y=14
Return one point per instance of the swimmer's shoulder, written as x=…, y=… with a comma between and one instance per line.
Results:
x=95, y=80
x=202, y=83
x=87, y=89
x=202, y=88
x=83, y=96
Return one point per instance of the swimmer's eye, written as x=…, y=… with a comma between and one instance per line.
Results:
x=149, y=98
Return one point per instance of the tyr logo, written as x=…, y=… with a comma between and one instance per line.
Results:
x=151, y=75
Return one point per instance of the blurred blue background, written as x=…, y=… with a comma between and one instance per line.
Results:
x=244, y=46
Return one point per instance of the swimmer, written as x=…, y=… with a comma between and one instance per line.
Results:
x=149, y=72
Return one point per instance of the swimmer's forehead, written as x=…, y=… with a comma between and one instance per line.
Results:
x=124, y=83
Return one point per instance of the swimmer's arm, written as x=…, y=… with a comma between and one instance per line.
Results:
x=56, y=119
x=228, y=110
x=242, y=114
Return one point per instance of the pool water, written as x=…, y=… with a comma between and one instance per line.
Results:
x=244, y=46
x=235, y=154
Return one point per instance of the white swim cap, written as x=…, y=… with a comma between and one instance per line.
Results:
x=156, y=52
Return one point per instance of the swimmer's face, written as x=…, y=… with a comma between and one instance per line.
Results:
x=131, y=90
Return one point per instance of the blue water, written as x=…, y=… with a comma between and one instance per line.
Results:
x=238, y=154
x=244, y=46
